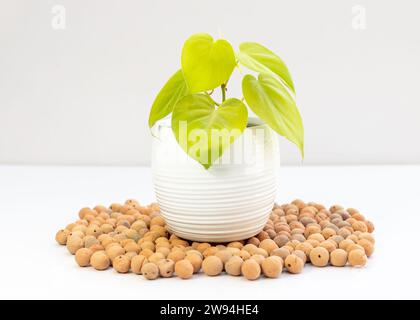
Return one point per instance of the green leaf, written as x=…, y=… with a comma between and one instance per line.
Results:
x=260, y=59
x=270, y=101
x=167, y=97
x=203, y=131
x=206, y=63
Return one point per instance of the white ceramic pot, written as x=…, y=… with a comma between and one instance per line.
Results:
x=230, y=201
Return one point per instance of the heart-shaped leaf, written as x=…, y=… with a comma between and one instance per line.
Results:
x=270, y=101
x=203, y=130
x=167, y=97
x=260, y=59
x=206, y=63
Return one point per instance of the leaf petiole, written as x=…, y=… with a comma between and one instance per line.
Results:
x=223, y=87
x=217, y=104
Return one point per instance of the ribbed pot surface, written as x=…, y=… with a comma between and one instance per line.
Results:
x=230, y=201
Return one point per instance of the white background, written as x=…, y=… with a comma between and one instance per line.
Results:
x=82, y=95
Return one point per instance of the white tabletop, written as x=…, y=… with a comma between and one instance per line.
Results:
x=37, y=201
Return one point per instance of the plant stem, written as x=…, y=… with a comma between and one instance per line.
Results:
x=223, y=87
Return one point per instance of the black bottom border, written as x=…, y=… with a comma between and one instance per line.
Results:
x=214, y=309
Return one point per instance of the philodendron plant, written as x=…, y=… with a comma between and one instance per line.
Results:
x=207, y=64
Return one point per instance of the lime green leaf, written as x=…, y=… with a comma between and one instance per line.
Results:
x=205, y=132
x=260, y=59
x=167, y=97
x=206, y=63
x=270, y=101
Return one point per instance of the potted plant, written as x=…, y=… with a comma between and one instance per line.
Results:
x=214, y=167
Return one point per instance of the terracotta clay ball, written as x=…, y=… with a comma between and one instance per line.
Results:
x=272, y=266
x=300, y=254
x=115, y=251
x=203, y=246
x=354, y=247
x=224, y=255
x=338, y=258
x=281, y=252
x=261, y=252
x=357, y=258
x=212, y=266
x=251, y=269
x=329, y=245
x=294, y=264
x=233, y=266
x=89, y=241
x=196, y=252
x=166, y=268
x=211, y=251
x=97, y=247
x=77, y=233
x=163, y=250
x=147, y=245
x=319, y=256
x=70, y=226
x=345, y=243
x=235, y=244
x=328, y=232
x=352, y=237
x=150, y=271
x=156, y=257
x=299, y=237
x=337, y=239
x=268, y=245
x=184, y=269
x=100, y=261
x=132, y=247
x=233, y=251
x=158, y=220
x=255, y=241
x=368, y=236
x=258, y=257
x=195, y=260
x=306, y=247
x=93, y=231
x=367, y=246
x=74, y=243
x=121, y=264
x=83, y=212
x=137, y=263
x=176, y=255
x=61, y=236
x=281, y=240
x=250, y=248
x=245, y=255
x=146, y=252
x=106, y=228
x=130, y=255
x=83, y=257
x=359, y=226
x=370, y=226
x=316, y=236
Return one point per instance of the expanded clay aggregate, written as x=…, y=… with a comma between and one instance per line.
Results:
x=133, y=238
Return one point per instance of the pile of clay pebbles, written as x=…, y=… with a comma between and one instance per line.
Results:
x=133, y=238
